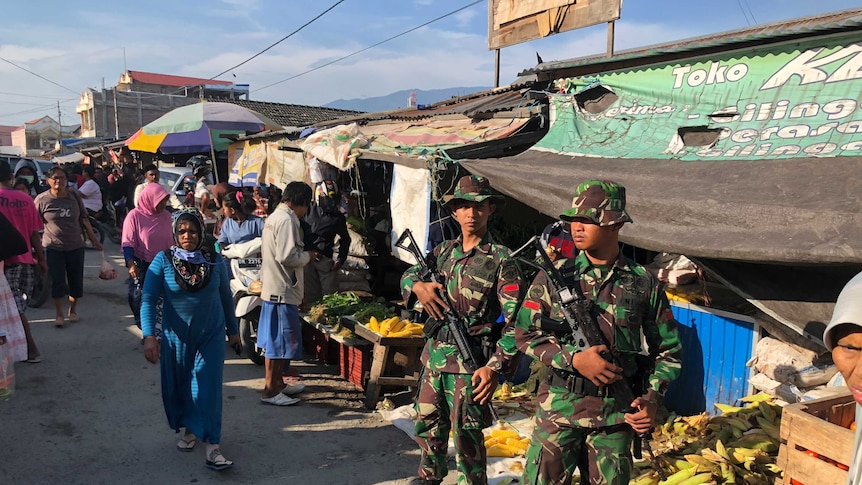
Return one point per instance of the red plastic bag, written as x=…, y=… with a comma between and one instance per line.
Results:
x=106, y=271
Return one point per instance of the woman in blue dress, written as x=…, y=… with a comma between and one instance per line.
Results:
x=198, y=310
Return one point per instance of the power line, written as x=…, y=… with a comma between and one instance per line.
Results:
x=280, y=40
x=748, y=6
x=370, y=47
x=22, y=95
x=52, y=105
x=38, y=75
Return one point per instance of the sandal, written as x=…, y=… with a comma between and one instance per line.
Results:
x=186, y=444
x=73, y=317
x=216, y=461
x=59, y=322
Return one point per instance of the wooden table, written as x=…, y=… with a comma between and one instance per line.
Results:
x=401, y=351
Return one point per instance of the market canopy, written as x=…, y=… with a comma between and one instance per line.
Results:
x=784, y=234
x=199, y=128
x=780, y=211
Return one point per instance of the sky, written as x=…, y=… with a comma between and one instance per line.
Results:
x=70, y=46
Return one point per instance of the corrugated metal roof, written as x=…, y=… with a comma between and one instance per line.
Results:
x=844, y=20
x=292, y=114
x=505, y=98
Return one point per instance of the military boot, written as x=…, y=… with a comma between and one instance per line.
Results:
x=423, y=481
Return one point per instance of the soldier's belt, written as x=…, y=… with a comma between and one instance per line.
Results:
x=575, y=384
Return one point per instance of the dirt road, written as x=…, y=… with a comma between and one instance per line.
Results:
x=91, y=413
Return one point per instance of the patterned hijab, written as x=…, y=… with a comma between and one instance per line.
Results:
x=192, y=269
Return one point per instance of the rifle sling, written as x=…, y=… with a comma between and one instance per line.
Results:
x=580, y=386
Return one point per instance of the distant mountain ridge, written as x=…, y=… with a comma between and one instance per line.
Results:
x=399, y=99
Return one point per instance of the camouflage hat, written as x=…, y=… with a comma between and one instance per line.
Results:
x=475, y=188
x=601, y=201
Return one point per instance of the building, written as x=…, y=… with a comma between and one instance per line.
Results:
x=41, y=135
x=191, y=87
x=141, y=97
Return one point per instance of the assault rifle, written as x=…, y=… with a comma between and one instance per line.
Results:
x=584, y=330
x=457, y=326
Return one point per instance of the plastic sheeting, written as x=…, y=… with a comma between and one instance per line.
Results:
x=799, y=211
x=409, y=202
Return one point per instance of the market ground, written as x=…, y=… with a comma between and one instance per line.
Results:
x=91, y=413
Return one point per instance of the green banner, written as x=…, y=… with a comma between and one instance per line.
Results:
x=796, y=101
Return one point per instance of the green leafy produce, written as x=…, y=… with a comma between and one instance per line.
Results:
x=335, y=300
x=375, y=309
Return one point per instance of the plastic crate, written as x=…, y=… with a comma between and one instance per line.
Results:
x=355, y=364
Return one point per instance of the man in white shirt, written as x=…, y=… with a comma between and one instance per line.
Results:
x=91, y=194
x=203, y=196
x=151, y=174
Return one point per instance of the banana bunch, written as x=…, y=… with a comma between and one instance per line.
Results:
x=506, y=443
x=395, y=327
x=738, y=446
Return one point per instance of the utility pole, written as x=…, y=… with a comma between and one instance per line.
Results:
x=59, y=129
x=116, y=116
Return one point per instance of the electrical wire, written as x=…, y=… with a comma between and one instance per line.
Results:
x=38, y=75
x=369, y=47
x=745, y=15
x=748, y=6
x=280, y=40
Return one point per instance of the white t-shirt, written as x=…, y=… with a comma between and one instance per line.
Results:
x=201, y=189
x=138, y=190
x=91, y=195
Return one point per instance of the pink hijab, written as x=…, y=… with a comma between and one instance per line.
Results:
x=145, y=231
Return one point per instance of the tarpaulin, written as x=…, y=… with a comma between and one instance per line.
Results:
x=793, y=211
x=409, y=202
x=790, y=101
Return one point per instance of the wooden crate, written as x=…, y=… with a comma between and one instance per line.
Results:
x=821, y=426
x=399, y=355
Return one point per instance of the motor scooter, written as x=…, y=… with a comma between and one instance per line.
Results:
x=245, y=263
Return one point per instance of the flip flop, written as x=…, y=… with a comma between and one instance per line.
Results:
x=186, y=445
x=216, y=461
x=279, y=400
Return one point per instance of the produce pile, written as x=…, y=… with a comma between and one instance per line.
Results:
x=505, y=443
x=330, y=309
x=738, y=447
x=394, y=327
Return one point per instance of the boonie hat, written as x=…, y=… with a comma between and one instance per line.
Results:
x=474, y=188
x=601, y=201
x=848, y=309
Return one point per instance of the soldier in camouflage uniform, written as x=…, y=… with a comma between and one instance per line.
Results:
x=481, y=282
x=577, y=423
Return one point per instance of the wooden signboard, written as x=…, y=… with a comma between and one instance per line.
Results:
x=514, y=21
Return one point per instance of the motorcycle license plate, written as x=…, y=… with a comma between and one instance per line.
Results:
x=250, y=262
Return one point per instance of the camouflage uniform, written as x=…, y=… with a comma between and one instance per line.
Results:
x=585, y=430
x=481, y=284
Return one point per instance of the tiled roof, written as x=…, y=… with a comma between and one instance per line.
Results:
x=170, y=80
x=844, y=20
x=292, y=114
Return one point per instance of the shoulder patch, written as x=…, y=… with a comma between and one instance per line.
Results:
x=536, y=292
